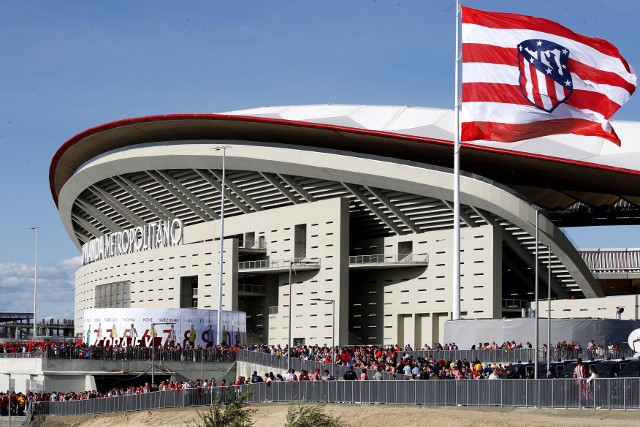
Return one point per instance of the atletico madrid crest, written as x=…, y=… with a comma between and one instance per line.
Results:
x=545, y=80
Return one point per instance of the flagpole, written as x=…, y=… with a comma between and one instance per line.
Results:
x=535, y=360
x=456, y=178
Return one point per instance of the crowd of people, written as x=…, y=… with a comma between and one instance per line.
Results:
x=361, y=363
x=368, y=363
x=12, y=403
x=75, y=350
x=15, y=403
x=419, y=369
x=397, y=360
x=79, y=349
x=371, y=358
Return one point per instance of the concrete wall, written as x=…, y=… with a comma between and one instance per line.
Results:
x=410, y=305
x=395, y=305
x=77, y=375
x=22, y=370
x=155, y=274
x=604, y=308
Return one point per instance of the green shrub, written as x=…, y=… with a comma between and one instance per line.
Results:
x=305, y=415
x=233, y=414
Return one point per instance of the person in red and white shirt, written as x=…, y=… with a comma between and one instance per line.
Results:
x=580, y=371
x=363, y=375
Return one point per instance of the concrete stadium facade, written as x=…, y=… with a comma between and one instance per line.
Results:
x=353, y=202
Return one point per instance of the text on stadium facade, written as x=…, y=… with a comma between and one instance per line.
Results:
x=148, y=236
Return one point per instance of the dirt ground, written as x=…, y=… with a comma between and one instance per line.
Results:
x=274, y=414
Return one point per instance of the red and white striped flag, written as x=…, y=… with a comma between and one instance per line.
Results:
x=525, y=77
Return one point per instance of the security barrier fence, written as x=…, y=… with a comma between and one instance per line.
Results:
x=517, y=355
x=282, y=363
x=605, y=393
x=27, y=415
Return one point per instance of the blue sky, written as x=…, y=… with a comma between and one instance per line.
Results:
x=69, y=66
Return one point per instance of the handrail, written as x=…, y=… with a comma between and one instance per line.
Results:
x=278, y=263
x=248, y=288
x=389, y=259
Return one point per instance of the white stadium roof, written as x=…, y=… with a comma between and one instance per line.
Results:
x=436, y=123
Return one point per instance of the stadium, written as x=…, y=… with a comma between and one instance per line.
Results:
x=344, y=207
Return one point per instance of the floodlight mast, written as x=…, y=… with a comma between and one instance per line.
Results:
x=35, y=288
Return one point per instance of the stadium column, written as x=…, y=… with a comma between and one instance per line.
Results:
x=342, y=303
x=496, y=256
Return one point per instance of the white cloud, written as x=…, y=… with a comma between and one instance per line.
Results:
x=55, y=288
x=71, y=263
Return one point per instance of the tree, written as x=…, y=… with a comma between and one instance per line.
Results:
x=235, y=414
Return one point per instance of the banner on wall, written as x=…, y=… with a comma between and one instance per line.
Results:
x=144, y=327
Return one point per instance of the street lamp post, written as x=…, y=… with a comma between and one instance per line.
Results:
x=333, y=330
x=290, y=300
x=153, y=348
x=549, y=309
x=35, y=289
x=224, y=158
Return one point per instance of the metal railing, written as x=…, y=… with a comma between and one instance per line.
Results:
x=28, y=415
x=30, y=355
x=252, y=289
x=516, y=355
x=273, y=309
x=515, y=303
x=265, y=264
x=130, y=353
x=606, y=354
x=389, y=259
x=130, y=403
x=612, y=260
x=605, y=393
